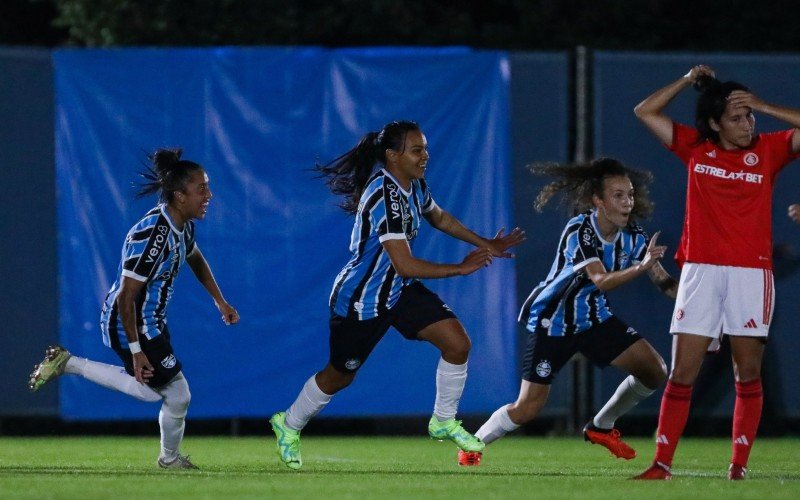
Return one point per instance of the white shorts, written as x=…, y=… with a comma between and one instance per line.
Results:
x=723, y=300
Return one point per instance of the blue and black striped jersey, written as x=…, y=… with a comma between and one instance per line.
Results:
x=568, y=302
x=153, y=251
x=369, y=285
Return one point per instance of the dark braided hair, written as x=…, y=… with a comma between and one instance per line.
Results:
x=348, y=174
x=711, y=104
x=576, y=183
x=166, y=174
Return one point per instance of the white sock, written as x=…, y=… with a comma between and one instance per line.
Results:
x=498, y=425
x=172, y=417
x=309, y=402
x=450, y=380
x=111, y=377
x=627, y=395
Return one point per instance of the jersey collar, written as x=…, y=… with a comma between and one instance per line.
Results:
x=399, y=186
x=163, y=208
x=593, y=218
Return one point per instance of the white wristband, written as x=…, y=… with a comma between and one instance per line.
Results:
x=134, y=347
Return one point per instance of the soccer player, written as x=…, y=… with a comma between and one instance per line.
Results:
x=133, y=320
x=379, y=286
x=726, y=284
x=600, y=249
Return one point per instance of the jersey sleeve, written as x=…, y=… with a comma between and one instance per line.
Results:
x=584, y=250
x=683, y=140
x=428, y=203
x=144, y=249
x=780, y=147
x=388, y=213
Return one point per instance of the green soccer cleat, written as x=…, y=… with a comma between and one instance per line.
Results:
x=180, y=462
x=452, y=430
x=53, y=364
x=288, y=441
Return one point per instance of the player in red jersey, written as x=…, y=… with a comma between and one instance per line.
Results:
x=726, y=284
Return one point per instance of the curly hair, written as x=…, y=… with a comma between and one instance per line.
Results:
x=576, y=183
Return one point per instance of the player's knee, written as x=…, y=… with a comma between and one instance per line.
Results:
x=457, y=352
x=656, y=375
x=745, y=372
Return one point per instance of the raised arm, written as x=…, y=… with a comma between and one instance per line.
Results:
x=408, y=266
x=740, y=98
x=498, y=246
x=651, y=110
x=608, y=280
x=202, y=271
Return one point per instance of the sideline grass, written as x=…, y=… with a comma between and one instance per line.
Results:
x=515, y=467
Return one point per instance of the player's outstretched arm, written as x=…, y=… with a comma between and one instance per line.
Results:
x=202, y=271
x=498, y=246
x=408, y=266
x=605, y=280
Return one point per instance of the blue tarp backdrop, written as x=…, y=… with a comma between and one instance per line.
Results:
x=258, y=119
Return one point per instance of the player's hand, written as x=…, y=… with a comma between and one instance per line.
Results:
x=476, y=259
x=142, y=369
x=500, y=243
x=738, y=99
x=654, y=253
x=229, y=314
x=697, y=71
x=794, y=212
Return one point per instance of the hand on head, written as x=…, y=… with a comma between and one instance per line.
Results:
x=697, y=71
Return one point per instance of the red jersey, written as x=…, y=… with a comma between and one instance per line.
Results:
x=728, y=219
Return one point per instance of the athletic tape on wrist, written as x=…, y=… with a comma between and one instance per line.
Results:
x=134, y=347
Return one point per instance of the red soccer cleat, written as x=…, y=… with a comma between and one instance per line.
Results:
x=736, y=472
x=610, y=439
x=657, y=471
x=469, y=458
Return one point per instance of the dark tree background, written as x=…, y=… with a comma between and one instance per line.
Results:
x=701, y=25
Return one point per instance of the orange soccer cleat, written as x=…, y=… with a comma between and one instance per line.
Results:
x=469, y=458
x=610, y=439
x=657, y=471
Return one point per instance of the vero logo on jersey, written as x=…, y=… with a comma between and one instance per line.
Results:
x=724, y=174
x=158, y=243
x=394, y=200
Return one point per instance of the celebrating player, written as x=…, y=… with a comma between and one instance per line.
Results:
x=133, y=320
x=726, y=283
x=599, y=250
x=379, y=286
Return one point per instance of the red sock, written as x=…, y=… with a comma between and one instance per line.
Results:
x=746, y=415
x=672, y=420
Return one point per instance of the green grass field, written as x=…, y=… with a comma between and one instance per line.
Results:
x=515, y=467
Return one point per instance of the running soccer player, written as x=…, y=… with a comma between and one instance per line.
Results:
x=379, y=288
x=726, y=284
x=599, y=250
x=133, y=320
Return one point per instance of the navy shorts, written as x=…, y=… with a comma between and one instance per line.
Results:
x=160, y=354
x=352, y=340
x=546, y=355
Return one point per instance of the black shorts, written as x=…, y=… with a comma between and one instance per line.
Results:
x=352, y=340
x=546, y=355
x=160, y=354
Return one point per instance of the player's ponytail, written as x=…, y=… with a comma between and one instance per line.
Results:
x=166, y=174
x=348, y=174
